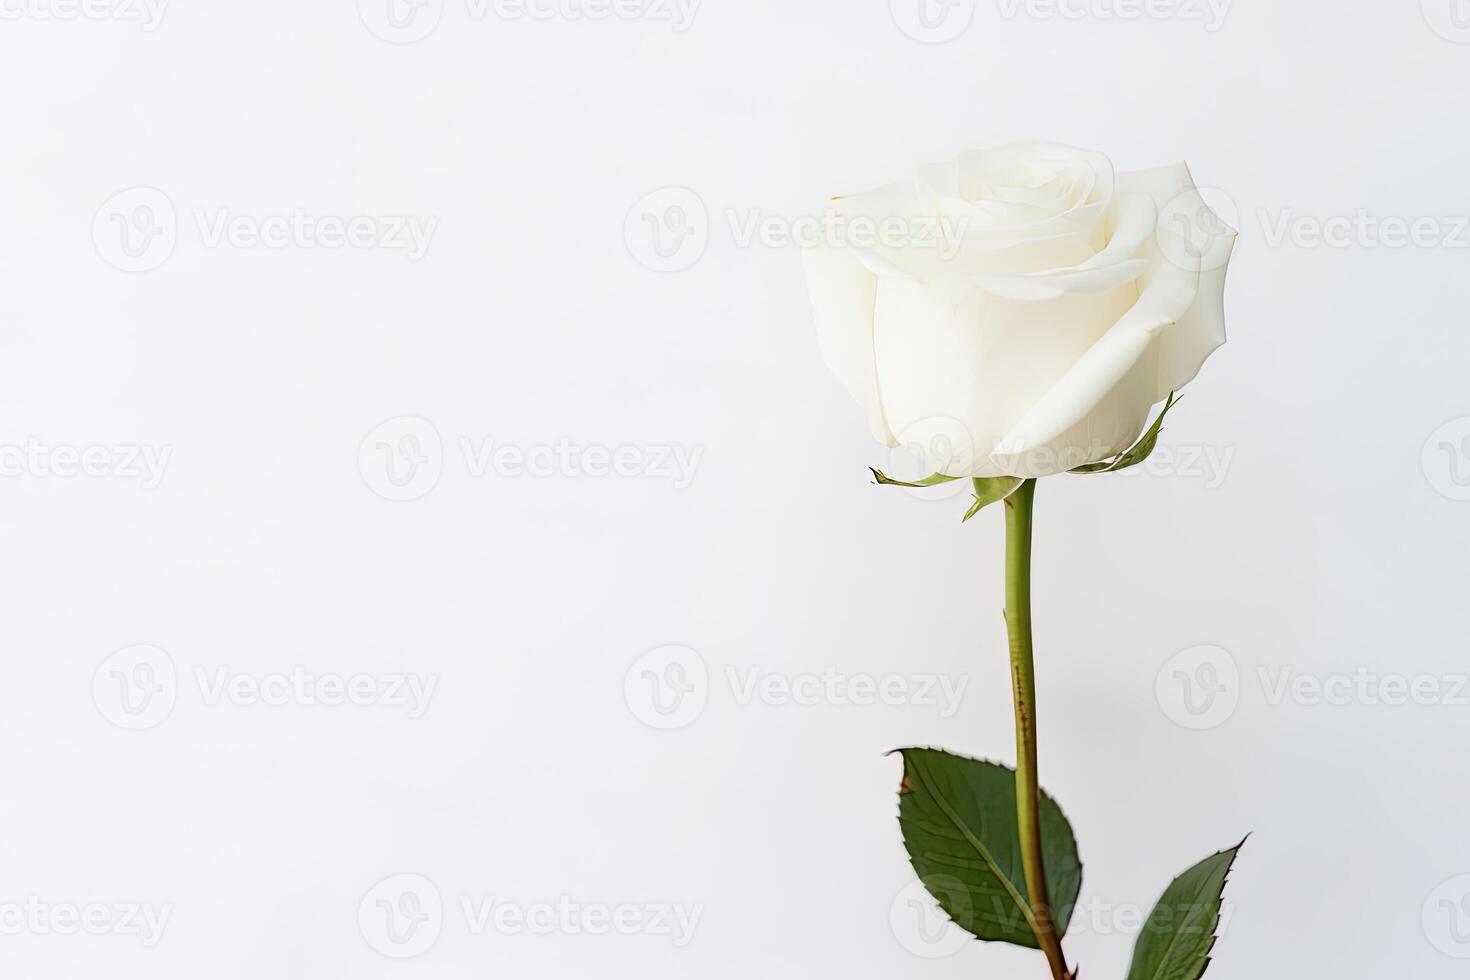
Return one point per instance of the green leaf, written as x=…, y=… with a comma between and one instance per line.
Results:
x=1180, y=932
x=1141, y=450
x=959, y=825
x=989, y=489
x=932, y=480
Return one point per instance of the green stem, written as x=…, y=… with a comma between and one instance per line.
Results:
x=1023, y=679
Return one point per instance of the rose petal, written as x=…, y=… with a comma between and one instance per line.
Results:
x=842, y=293
x=952, y=351
x=1163, y=184
x=1200, y=332
x=955, y=191
x=1028, y=448
x=1122, y=261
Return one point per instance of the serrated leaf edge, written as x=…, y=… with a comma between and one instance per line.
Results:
x=954, y=818
x=1206, y=959
x=1025, y=904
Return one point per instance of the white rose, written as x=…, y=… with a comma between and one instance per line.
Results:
x=1037, y=308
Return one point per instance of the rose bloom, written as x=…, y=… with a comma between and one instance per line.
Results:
x=1038, y=307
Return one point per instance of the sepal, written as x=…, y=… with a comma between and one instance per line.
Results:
x=932, y=480
x=990, y=489
x=1141, y=450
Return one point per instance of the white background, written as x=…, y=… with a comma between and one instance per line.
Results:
x=1331, y=543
